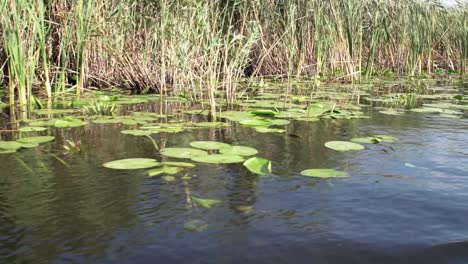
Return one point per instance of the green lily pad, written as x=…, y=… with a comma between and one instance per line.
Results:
x=269, y=130
x=261, y=112
x=136, y=132
x=386, y=138
x=29, y=145
x=208, y=145
x=371, y=140
x=324, y=173
x=164, y=170
x=131, y=164
x=8, y=151
x=10, y=145
x=238, y=150
x=218, y=159
x=168, y=178
x=258, y=165
x=343, y=145
x=178, y=164
x=55, y=111
x=256, y=122
x=183, y=153
x=36, y=140
x=211, y=124
x=279, y=122
x=196, y=225
x=69, y=123
x=206, y=203
x=32, y=129
x=392, y=112
x=308, y=119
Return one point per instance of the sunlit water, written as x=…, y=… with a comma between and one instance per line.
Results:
x=405, y=202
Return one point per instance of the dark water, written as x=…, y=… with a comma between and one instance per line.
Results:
x=405, y=202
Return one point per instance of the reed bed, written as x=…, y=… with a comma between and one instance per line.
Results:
x=202, y=48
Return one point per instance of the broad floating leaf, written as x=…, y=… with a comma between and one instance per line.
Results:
x=206, y=203
x=178, y=164
x=261, y=112
x=211, y=124
x=69, y=123
x=324, y=173
x=196, y=225
x=343, y=145
x=258, y=165
x=218, y=159
x=8, y=151
x=164, y=170
x=32, y=129
x=392, y=112
x=371, y=140
x=168, y=178
x=10, y=145
x=208, y=145
x=279, y=122
x=183, y=153
x=386, y=138
x=136, y=132
x=132, y=164
x=269, y=130
x=239, y=150
x=36, y=140
x=256, y=122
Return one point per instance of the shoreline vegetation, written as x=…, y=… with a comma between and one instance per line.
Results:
x=203, y=48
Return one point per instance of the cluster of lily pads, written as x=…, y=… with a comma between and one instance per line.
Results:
x=210, y=152
x=7, y=147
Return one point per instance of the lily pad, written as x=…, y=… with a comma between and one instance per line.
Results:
x=208, y=145
x=269, y=130
x=258, y=165
x=218, y=159
x=196, y=225
x=183, y=153
x=239, y=150
x=261, y=112
x=36, y=140
x=10, y=145
x=279, y=122
x=211, y=124
x=206, y=203
x=343, y=145
x=324, y=173
x=164, y=170
x=32, y=129
x=178, y=164
x=69, y=123
x=132, y=164
x=256, y=122
x=136, y=132
x=371, y=140
x=8, y=151
x=168, y=178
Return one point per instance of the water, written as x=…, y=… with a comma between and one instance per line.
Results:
x=405, y=202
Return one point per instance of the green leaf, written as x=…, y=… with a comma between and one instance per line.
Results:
x=218, y=159
x=36, y=140
x=183, y=153
x=324, y=173
x=206, y=203
x=208, y=145
x=178, y=164
x=260, y=112
x=9, y=145
x=239, y=150
x=32, y=129
x=136, y=132
x=258, y=165
x=132, y=164
x=164, y=170
x=343, y=145
x=196, y=225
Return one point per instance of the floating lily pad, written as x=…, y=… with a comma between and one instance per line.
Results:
x=8, y=151
x=279, y=122
x=136, y=132
x=239, y=150
x=36, y=140
x=218, y=159
x=261, y=112
x=208, y=145
x=324, y=173
x=183, y=153
x=10, y=145
x=168, y=178
x=54, y=111
x=392, y=112
x=269, y=130
x=258, y=165
x=308, y=119
x=32, y=129
x=178, y=164
x=164, y=170
x=343, y=145
x=206, y=203
x=371, y=140
x=386, y=138
x=69, y=123
x=256, y=122
x=132, y=164
x=211, y=124
x=196, y=225
x=29, y=145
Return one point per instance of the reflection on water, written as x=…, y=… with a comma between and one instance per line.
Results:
x=386, y=212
